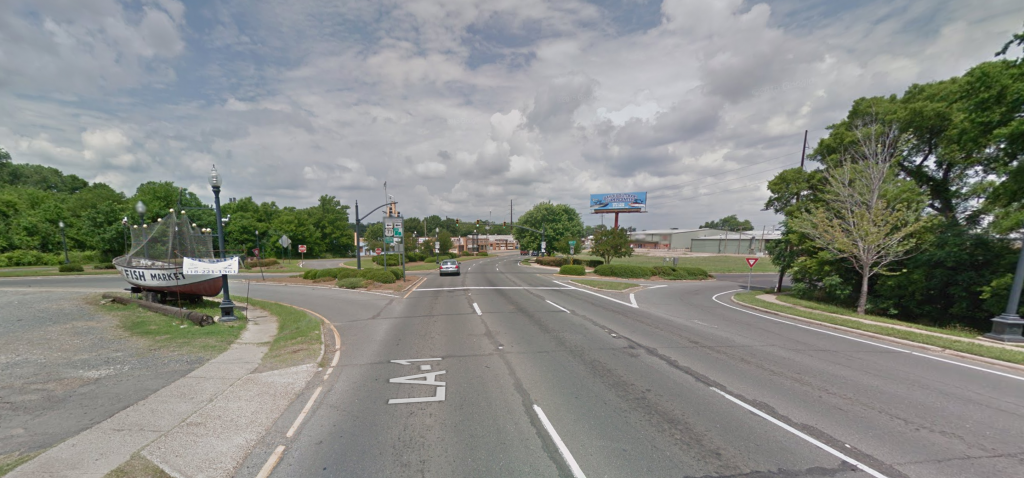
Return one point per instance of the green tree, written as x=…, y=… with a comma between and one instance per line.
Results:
x=729, y=223
x=559, y=221
x=446, y=241
x=161, y=196
x=611, y=243
x=5, y=157
x=869, y=216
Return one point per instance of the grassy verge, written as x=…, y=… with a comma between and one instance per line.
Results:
x=996, y=353
x=720, y=264
x=298, y=337
x=11, y=461
x=605, y=284
x=137, y=467
x=177, y=335
x=955, y=331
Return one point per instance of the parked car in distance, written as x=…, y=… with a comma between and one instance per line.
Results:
x=449, y=267
x=533, y=253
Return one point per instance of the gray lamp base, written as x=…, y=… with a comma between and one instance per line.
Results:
x=1007, y=328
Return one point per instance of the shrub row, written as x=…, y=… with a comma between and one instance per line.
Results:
x=351, y=283
x=571, y=270
x=36, y=258
x=627, y=271
x=379, y=275
x=71, y=268
x=252, y=263
x=561, y=261
x=393, y=260
x=105, y=266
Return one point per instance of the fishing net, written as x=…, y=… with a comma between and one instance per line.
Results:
x=165, y=243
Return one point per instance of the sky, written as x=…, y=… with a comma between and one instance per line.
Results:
x=462, y=106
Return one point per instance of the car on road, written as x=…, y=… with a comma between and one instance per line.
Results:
x=533, y=253
x=449, y=267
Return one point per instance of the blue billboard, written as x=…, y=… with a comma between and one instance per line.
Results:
x=618, y=202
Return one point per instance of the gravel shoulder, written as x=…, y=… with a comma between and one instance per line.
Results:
x=67, y=366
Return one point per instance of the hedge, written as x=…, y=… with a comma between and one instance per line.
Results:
x=572, y=271
x=351, y=283
x=105, y=266
x=551, y=261
x=378, y=275
x=310, y=274
x=250, y=263
x=688, y=273
x=347, y=273
x=71, y=268
x=593, y=262
x=624, y=271
x=415, y=256
x=396, y=272
x=332, y=273
x=482, y=253
x=392, y=259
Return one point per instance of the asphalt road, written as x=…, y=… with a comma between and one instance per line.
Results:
x=545, y=380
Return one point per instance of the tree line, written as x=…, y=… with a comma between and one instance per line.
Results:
x=913, y=207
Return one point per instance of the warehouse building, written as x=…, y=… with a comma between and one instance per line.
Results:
x=673, y=238
x=734, y=243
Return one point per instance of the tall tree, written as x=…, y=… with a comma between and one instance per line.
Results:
x=560, y=221
x=868, y=215
x=729, y=223
x=610, y=243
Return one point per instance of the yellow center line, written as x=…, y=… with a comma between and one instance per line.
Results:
x=422, y=280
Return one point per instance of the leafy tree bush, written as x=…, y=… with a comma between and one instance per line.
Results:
x=686, y=273
x=624, y=271
x=611, y=243
x=351, y=283
x=330, y=273
x=377, y=275
x=310, y=274
x=482, y=253
x=29, y=258
x=593, y=262
x=71, y=268
x=105, y=266
x=396, y=272
x=252, y=263
x=572, y=271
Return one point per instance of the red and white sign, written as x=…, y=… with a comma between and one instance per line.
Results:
x=379, y=250
x=256, y=251
x=302, y=249
x=751, y=261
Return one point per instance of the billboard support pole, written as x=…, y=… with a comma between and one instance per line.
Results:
x=616, y=220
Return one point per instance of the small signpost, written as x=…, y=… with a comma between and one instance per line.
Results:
x=750, y=262
x=285, y=243
x=302, y=250
x=572, y=248
x=256, y=251
x=378, y=251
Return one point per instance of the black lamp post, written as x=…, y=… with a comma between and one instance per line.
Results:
x=64, y=241
x=227, y=308
x=437, y=248
x=1008, y=326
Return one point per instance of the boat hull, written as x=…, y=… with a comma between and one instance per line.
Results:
x=171, y=280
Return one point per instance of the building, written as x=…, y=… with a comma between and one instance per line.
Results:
x=488, y=243
x=734, y=243
x=673, y=238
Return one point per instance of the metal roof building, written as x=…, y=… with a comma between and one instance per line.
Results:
x=668, y=238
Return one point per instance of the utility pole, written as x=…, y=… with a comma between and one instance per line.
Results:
x=803, y=154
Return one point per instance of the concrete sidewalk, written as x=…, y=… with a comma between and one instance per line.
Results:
x=203, y=425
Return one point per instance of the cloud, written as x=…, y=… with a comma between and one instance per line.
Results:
x=464, y=105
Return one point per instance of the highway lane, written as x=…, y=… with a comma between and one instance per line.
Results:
x=641, y=402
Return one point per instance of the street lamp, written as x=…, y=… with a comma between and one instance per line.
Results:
x=64, y=241
x=141, y=210
x=227, y=308
x=437, y=244
x=1008, y=326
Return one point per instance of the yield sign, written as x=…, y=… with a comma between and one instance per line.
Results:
x=751, y=261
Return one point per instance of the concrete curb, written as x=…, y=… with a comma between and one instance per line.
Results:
x=886, y=338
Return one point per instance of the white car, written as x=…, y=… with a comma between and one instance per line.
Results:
x=449, y=267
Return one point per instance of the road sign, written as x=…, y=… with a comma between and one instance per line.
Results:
x=751, y=261
x=256, y=251
x=572, y=250
x=284, y=241
x=389, y=228
x=397, y=226
x=572, y=243
x=302, y=249
x=437, y=245
x=543, y=244
x=389, y=240
x=378, y=250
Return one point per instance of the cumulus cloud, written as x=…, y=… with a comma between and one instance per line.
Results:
x=464, y=105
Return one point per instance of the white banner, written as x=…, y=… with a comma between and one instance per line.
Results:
x=211, y=266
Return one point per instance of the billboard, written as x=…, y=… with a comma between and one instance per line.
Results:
x=618, y=202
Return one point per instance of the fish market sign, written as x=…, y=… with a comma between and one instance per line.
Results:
x=210, y=266
x=621, y=202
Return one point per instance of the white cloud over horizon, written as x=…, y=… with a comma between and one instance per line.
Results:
x=465, y=105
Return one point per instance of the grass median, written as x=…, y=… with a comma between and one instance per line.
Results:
x=298, y=337
x=712, y=264
x=981, y=350
x=955, y=331
x=605, y=284
x=166, y=333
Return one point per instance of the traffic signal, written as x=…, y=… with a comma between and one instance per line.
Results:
x=504, y=223
x=477, y=222
x=456, y=221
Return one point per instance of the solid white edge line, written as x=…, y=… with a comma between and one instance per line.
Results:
x=305, y=411
x=556, y=305
x=599, y=295
x=473, y=288
x=715, y=298
x=271, y=462
x=562, y=449
x=802, y=435
x=657, y=286
x=632, y=299
x=477, y=308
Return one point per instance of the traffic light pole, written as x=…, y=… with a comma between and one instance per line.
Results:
x=359, y=253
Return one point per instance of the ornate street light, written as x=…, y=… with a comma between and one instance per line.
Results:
x=64, y=241
x=227, y=308
x=1008, y=326
x=140, y=208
